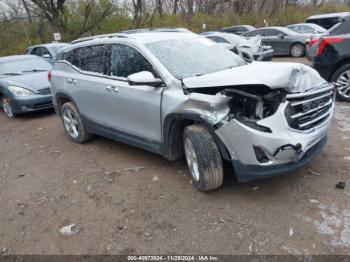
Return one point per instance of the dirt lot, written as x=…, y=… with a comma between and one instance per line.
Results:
x=126, y=200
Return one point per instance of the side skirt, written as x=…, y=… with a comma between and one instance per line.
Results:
x=119, y=136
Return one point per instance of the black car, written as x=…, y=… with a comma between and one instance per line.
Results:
x=327, y=20
x=24, y=85
x=283, y=40
x=238, y=29
x=332, y=61
x=341, y=28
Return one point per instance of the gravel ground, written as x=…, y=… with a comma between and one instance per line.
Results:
x=125, y=200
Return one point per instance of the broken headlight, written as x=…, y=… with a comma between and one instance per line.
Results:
x=249, y=108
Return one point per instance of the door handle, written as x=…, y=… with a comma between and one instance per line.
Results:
x=71, y=81
x=112, y=89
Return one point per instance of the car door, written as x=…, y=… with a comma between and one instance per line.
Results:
x=135, y=109
x=88, y=86
x=276, y=39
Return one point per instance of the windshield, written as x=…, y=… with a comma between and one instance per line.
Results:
x=21, y=66
x=193, y=56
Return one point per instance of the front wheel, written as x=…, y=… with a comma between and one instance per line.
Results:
x=203, y=158
x=73, y=124
x=298, y=50
x=6, y=106
x=342, y=83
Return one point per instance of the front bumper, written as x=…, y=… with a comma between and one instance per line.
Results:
x=246, y=173
x=266, y=55
x=285, y=149
x=29, y=104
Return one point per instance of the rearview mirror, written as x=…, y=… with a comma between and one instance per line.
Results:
x=144, y=78
x=47, y=56
x=281, y=36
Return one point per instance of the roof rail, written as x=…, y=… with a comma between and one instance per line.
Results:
x=84, y=39
x=159, y=29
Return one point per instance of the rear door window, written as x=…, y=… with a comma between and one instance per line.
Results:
x=272, y=32
x=126, y=60
x=260, y=32
x=92, y=59
x=341, y=28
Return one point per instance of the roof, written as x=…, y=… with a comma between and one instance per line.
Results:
x=142, y=36
x=160, y=29
x=16, y=58
x=233, y=26
x=341, y=14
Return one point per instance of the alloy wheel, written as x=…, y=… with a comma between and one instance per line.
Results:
x=191, y=159
x=343, y=84
x=71, y=123
x=6, y=106
x=297, y=50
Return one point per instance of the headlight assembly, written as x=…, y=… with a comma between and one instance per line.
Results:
x=20, y=91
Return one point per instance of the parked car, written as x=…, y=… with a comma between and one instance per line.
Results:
x=250, y=49
x=333, y=63
x=327, y=20
x=46, y=51
x=24, y=86
x=341, y=28
x=283, y=40
x=307, y=28
x=238, y=29
x=178, y=94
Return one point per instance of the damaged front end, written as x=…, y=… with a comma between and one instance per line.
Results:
x=269, y=131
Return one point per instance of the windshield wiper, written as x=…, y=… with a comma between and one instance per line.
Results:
x=35, y=70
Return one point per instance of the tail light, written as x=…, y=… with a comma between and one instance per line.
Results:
x=313, y=41
x=325, y=41
x=49, y=75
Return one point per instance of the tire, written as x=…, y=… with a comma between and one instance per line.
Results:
x=203, y=158
x=73, y=124
x=298, y=50
x=6, y=107
x=341, y=78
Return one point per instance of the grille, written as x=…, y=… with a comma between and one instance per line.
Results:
x=310, y=109
x=45, y=91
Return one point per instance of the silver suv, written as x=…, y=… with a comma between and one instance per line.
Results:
x=176, y=93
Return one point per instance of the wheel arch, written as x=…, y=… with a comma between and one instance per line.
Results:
x=337, y=66
x=173, y=127
x=61, y=99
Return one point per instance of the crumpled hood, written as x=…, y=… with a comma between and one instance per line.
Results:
x=291, y=77
x=32, y=81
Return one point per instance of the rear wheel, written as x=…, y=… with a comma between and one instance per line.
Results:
x=6, y=106
x=73, y=124
x=298, y=50
x=342, y=83
x=203, y=158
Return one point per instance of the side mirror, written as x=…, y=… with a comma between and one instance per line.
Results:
x=281, y=36
x=47, y=56
x=144, y=78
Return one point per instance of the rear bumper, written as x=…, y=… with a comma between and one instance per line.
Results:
x=246, y=173
x=29, y=104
